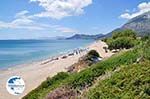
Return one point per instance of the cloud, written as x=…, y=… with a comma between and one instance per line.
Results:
x=22, y=13
x=22, y=21
x=142, y=8
x=16, y=24
x=58, y=9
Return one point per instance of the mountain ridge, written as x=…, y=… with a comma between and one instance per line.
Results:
x=139, y=24
x=84, y=36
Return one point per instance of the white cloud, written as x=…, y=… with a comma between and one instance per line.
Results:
x=59, y=9
x=31, y=25
x=22, y=21
x=142, y=8
x=56, y=9
x=16, y=24
x=126, y=16
x=22, y=13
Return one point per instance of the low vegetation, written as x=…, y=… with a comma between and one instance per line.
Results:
x=87, y=76
x=131, y=82
x=46, y=86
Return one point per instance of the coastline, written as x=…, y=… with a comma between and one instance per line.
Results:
x=36, y=72
x=15, y=66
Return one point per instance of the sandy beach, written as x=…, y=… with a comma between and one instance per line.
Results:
x=34, y=73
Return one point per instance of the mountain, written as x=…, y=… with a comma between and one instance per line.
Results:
x=140, y=24
x=83, y=36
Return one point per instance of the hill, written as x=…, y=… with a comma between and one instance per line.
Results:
x=83, y=36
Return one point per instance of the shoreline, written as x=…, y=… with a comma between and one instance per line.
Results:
x=36, y=72
x=19, y=65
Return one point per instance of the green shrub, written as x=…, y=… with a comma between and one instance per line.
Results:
x=122, y=39
x=144, y=38
x=146, y=49
x=104, y=39
x=121, y=42
x=93, y=53
x=124, y=33
x=147, y=91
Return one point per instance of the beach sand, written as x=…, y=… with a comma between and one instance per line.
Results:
x=35, y=73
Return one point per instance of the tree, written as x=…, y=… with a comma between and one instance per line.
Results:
x=124, y=33
x=121, y=43
x=122, y=39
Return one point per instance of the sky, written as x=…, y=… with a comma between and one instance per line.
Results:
x=34, y=19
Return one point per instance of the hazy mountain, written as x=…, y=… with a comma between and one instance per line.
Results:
x=140, y=24
x=83, y=36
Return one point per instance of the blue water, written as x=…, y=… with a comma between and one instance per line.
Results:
x=15, y=52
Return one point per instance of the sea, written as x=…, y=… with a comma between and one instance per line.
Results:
x=16, y=52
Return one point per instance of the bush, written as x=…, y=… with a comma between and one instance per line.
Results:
x=147, y=91
x=93, y=53
x=144, y=38
x=124, y=33
x=104, y=39
x=146, y=49
x=122, y=39
x=121, y=42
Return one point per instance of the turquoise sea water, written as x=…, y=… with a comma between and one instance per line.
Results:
x=15, y=52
